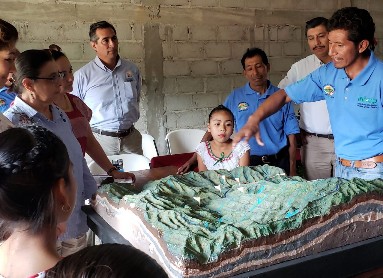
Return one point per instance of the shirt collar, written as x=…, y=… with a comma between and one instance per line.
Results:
x=362, y=78
x=27, y=110
x=31, y=112
x=250, y=90
x=99, y=63
x=364, y=75
x=317, y=60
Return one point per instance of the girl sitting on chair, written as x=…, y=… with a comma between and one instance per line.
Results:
x=219, y=153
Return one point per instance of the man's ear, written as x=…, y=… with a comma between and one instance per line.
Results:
x=93, y=45
x=28, y=84
x=363, y=45
x=268, y=67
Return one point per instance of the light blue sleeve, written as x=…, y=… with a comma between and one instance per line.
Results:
x=291, y=125
x=139, y=84
x=90, y=185
x=78, y=85
x=308, y=89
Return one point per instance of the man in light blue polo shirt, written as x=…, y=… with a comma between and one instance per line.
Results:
x=279, y=129
x=352, y=87
x=111, y=87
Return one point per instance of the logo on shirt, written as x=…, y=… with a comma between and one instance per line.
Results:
x=2, y=102
x=242, y=106
x=129, y=76
x=24, y=119
x=366, y=102
x=329, y=90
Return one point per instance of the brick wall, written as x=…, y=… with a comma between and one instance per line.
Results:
x=188, y=50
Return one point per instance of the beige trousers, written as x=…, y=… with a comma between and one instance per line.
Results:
x=318, y=157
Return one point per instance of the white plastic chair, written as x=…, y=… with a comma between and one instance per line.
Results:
x=183, y=140
x=132, y=162
x=149, y=146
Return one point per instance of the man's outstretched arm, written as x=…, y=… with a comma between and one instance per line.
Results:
x=269, y=107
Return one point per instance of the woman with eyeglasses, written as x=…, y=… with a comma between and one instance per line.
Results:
x=37, y=191
x=8, y=39
x=79, y=114
x=37, y=82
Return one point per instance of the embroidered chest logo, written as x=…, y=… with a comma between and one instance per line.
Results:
x=366, y=102
x=329, y=90
x=242, y=106
x=129, y=76
x=24, y=119
x=2, y=102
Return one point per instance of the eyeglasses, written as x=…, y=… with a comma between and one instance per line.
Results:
x=52, y=78
x=65, y=73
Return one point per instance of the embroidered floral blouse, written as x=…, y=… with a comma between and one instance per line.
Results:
x=213, y=162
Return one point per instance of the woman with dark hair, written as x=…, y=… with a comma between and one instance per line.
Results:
x=79, y=114
x=107, y=261
x=37, y=82
x=7, y=96
x=8, y=39
x=37, y=192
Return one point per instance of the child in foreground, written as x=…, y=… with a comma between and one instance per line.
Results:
x=219, y=153
x=37, y=193
x=107, y=261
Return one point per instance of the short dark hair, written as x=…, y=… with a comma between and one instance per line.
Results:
x=358, y=23
x=316, y=21
x=251, y=52
x=220, y=108
x=32, y=159
x=8, y=34
x=107, y=260
x=28, y=64
x=99, y=25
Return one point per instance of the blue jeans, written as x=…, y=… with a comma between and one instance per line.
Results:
x=352, y=172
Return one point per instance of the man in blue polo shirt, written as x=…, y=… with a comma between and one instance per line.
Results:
x=351, y=86
x=279, y=129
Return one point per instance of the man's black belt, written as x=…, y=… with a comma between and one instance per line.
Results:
x=272, y=158
x=328, y=136
x=119, y=134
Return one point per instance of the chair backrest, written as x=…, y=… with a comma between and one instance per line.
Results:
x=131, y=162
x=149, y=146
x=171, y=160
x=183, y=140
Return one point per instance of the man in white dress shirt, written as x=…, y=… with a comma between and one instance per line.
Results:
x=318, y=155
x=111, y=87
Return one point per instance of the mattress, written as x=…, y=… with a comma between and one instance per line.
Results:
x=222, y=223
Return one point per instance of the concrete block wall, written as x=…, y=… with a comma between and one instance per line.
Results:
x=189, y=51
